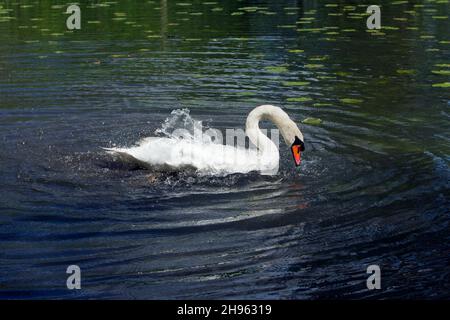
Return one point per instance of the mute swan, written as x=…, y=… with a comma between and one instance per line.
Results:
x=212, y=158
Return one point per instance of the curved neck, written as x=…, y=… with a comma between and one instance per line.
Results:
x=265, y=112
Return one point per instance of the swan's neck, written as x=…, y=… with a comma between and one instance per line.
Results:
x=256, y=136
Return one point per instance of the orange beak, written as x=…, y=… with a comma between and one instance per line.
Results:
x=297, y=147
x=296, y=152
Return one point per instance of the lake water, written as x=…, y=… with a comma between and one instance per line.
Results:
x=373, y=187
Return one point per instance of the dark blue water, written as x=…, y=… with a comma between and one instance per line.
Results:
x=373, y=187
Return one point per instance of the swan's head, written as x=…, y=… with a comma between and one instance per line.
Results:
x=297, y=148
x=294, y=139
x=288, y=128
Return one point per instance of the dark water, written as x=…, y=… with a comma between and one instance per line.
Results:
x=373, y=187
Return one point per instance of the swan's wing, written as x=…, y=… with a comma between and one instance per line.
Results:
x=124, y=156
x=164, y=154
x=149, y=152
x=152, y=153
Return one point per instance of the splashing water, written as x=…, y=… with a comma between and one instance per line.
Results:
x=179, y=119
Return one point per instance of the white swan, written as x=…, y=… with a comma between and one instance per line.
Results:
x=212, y=158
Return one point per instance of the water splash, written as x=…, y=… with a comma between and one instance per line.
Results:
x=179, y=119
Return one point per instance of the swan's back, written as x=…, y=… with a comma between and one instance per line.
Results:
x=208, y=158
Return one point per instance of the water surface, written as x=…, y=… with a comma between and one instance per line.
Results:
x=373, y=187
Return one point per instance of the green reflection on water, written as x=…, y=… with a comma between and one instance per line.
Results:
x=233, y=52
